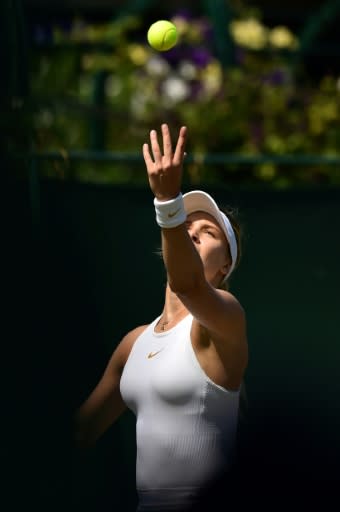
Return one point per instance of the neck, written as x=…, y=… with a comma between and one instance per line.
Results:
x=173, y=311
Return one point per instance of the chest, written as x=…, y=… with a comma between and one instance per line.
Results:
x=162, y=370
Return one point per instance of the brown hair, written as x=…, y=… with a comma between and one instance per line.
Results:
x=233, y=216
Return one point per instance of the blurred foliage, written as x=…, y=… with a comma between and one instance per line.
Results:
x=100, y=86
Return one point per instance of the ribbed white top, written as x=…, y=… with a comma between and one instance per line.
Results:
x=186, y=424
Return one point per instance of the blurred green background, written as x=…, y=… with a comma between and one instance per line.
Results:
x=258, y=87
x=82, y=77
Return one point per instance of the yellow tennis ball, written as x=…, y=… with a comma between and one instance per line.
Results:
x=162, y=35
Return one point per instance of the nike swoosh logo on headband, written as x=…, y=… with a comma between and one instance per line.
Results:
x=172, y=214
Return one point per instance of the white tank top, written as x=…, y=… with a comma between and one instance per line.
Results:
x=186, y=424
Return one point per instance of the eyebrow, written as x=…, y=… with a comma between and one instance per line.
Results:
x=213, y=226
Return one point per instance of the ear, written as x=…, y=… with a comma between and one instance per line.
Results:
x=225, y=268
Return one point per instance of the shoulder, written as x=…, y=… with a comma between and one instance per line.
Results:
x=131, y=336
x=226, y=326
x=234, y=338
x=233, y=304
x=217, y=312
x=226, y=312
x=235, y=322
x=122, y=352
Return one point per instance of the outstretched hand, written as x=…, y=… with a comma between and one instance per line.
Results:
x=165, y=168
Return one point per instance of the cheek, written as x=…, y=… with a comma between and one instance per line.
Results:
x=216, y=255
x=220, y=255
x=213, y=252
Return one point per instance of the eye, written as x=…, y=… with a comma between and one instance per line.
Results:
x=210, y=232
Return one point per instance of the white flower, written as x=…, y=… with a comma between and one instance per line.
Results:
x=187, y=70
x=175, y=89
x=157, y=66
x=138, y=103
x=181, y=24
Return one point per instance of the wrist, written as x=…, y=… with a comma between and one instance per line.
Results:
x=171, y=213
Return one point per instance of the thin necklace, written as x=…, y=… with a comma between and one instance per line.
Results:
x=163, y=324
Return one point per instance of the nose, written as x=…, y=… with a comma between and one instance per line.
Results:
x=194, y=236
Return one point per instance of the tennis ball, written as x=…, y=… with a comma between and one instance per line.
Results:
x=162, y=35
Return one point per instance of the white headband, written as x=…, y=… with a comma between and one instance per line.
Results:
x=230, y=234
x=197, y=200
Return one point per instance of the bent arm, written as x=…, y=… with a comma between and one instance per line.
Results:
x=101, y=409
x=105, y=404
x=215, y=310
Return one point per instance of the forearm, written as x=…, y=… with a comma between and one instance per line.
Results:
x=96, y=415
x=86, y=430
x=182, y=262
x=84, y=435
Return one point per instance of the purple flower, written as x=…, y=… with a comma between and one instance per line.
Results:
x=183, y=13
x=276, y=77
x=206, y=30
x=195, y=89
x=200, y=56
x=174, y=55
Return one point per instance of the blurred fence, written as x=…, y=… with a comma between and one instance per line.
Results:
x=135, y=159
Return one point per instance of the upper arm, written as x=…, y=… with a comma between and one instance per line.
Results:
x=222, y=317
x=105, y=404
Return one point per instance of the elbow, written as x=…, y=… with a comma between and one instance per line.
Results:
x=82, y=434
x=186, y=286
x=82, y=441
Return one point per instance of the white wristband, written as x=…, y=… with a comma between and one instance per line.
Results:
x=170, y=214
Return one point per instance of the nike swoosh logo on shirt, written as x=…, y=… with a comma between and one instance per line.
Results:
x=153, y=354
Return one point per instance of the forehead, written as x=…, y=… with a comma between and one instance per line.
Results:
x=206, y=218
x=203, y=216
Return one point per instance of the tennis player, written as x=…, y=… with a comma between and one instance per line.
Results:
x=181, y=374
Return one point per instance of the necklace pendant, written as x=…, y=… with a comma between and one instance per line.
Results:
x=163, y=326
